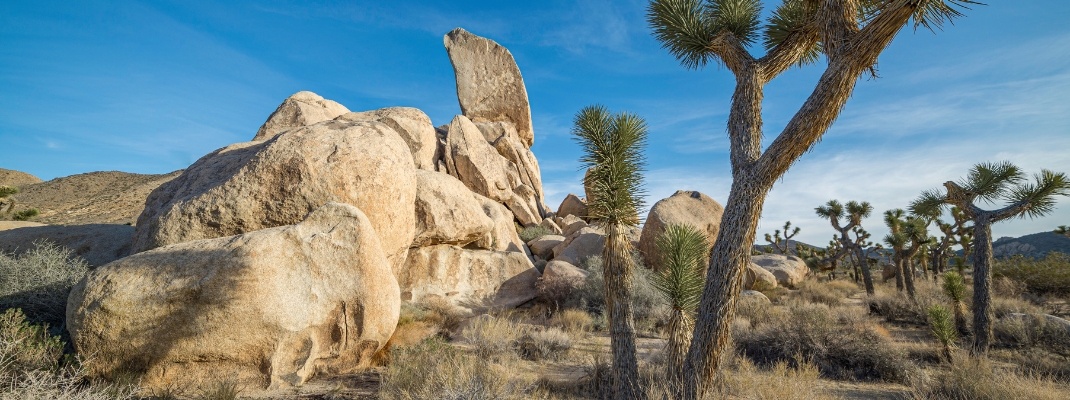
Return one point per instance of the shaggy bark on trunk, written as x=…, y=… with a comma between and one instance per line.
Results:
x=618, y=275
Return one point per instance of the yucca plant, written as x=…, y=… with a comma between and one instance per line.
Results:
x=683, y=251
x=992, y=183
x=781, y=243
x=850, y=34
x=613, y=155
x=854, y=212
x=955, y=289
x=942, y=329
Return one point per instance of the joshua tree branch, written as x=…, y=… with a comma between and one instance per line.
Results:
x=838, y=22
x=788, y=52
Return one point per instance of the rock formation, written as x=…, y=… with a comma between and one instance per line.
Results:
x=468, y=277
x=413, y=126
x=270, y=307
x=489, y=85
x=572, y=205
x=788, y=270
x=300, y=109
x=683, y=207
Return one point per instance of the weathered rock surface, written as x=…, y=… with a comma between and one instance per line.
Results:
x=10, y=177
x=584, y=243
x=447, y=212
x=543, y=246
x=570, y=224
x=524, y=163
x=270, y=307
x=888, y=271
x=550, y=225
x=98, y=244
x=412, y=125
x=468, y=277
x=489, y=85
x=476, y=163
x=300, y=109
x=572, y=205
x=250, y=186
x=562, y=270
x=757, y=278
x=503, y=236
x=754, y=295
x=5, y=225
x=788, y=270
x=683, y=207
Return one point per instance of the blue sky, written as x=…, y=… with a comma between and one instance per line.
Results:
x=149, y=87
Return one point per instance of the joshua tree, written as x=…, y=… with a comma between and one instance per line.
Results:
x=613, y=154
x=909, y=235
x=955, y=233
x=851, y=34
x=854, y=212
x=6, y=204
x=1062, y=230
x=683, y=251
x=955, y=289
x=992, y=183
x=776, y=239
x=940, y=324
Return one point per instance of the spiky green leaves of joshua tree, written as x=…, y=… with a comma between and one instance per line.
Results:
x=613, y=155
x=942, y=328
x=955, y=289
x=683, y=251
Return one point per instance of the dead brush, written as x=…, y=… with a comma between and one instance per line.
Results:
x=573, y=321
x=544, y=344
x=972, y=378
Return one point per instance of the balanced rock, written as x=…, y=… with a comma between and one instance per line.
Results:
x=468, y=277
x=97, y=244
x=447, y=212
x=267, y=308
x=572, y=205
x=470, y=158
x=757, y=278
x=685, y=208
x=301, y=109
x=543, y=246
x=788, y=270
x=412, y=125
x=250, y=186
x=489, y=85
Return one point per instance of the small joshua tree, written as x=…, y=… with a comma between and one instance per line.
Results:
x=942, y=329
x=683, y=250
x=992, y=183
x=955, y=289
x=613, y=155
x=776, y=240
x=854, y=212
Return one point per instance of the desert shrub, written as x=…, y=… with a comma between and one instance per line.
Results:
x=781, y=381
x=544, y=344
x=492, y=338
x=1003, y=286
x=1002, y=306
x=557, y=292
x=648, y=308
x=39, y=280
x=434, y=369
x=1048, y=275
x=831, y=293
x=25, y=215
x=897, y=307
x=435, y=312
x=32, y=365
x=1032, y=331
x=755, y=310
x=971, y=378
x=220, y=390
x=572, y=321
x=841, y=342
x=532, y=232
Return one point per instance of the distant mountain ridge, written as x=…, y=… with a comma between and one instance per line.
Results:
x=1034, y=245
x=107, y=197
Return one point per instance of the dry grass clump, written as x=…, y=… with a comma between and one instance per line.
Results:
x=544, y=344
x=492, y=338
x=1003, y=306
x=32, y=366
x=575, y=322
x=437, y=313
x=39, y=280
x=831, y=293
x=897, y=307
x=974, y=379
x=434, y=369
x=843, y=343
x=1048, y=275
x=533, y=232
x=1032, y=331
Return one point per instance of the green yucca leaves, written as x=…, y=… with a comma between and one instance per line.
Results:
x=683, y=251
x=613, y=153
x=954, y=286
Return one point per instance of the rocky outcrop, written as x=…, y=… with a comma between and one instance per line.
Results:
x=551, y=226
x=570, y=224
x=757, y=278
x=564, y=271
x=267, y=308
x=503, y=237
x=683, y=207
x=572, y=205
x=788, y=270
x=467, y=277
x=523, y=161
x=754, y=295
x=412, y=125
x=580, y=245
x=256, y=185
x=543, y=246
x=489, y=85
x=447, y=212
x=470, y=158
x=300, y=109
x=98, y=244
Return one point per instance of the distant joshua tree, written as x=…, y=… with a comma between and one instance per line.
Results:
x=683, y=250
x=1062, y=230
x=955, y=233
x=613, y=154
x=854, y=212
x=851, y=34
x=909, y=234
x=781, y=242
x=992, y=183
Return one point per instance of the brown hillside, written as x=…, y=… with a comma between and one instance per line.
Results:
x=110, y=197
x=10, y=177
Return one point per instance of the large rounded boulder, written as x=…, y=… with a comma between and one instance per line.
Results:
x=685, y=208
x=256, y=185
x=301, y=109
x=267, y=308
x=789, y=271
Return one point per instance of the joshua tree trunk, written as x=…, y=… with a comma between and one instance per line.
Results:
x=897, y=260
x=867, y=278
x=960, y=318
x=908, y=275
x=680, y=327
x=617, y=272
x=982, y=278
